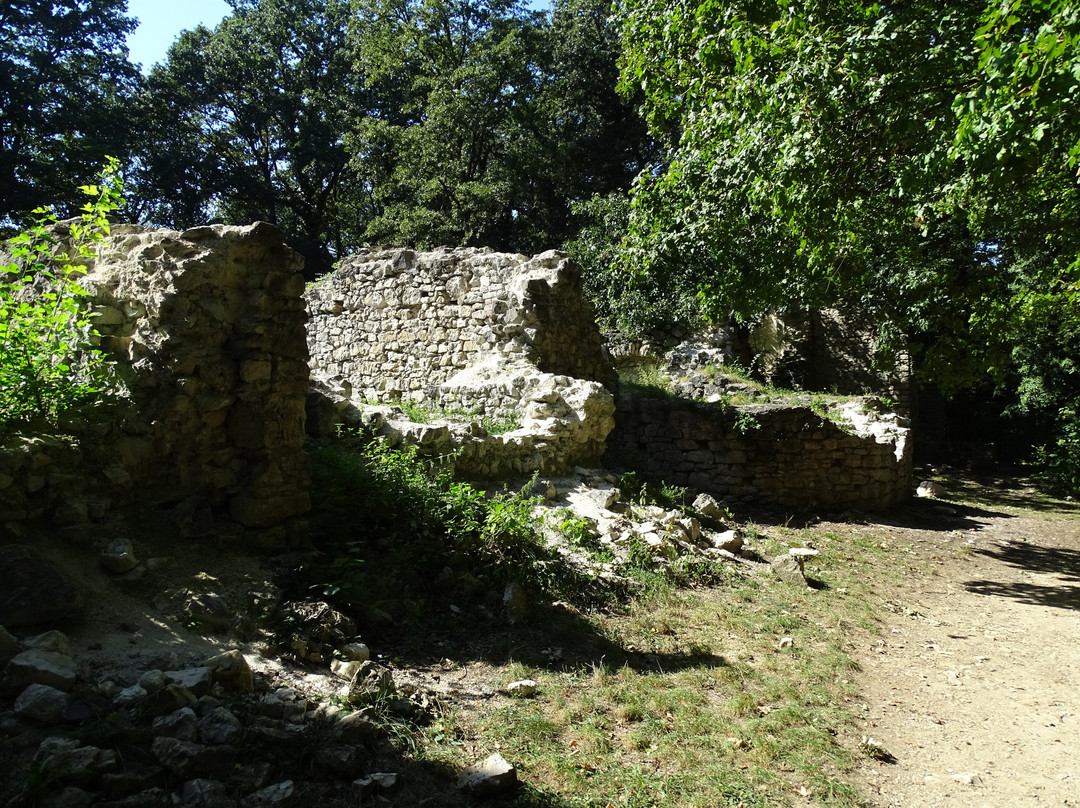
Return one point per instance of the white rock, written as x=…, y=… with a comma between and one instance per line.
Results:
x=491, y=776
x=522, y=688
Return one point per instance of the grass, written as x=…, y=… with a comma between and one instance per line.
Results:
x=651, y=380
x=676, y=692
x=425, y=413
x=704, y=709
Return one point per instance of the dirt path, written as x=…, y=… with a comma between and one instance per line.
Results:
x=974, y=683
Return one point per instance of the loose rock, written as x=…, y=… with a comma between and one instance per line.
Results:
x=492, y=776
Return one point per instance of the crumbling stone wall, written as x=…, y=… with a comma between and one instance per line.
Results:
x=395, y=324
x=490, y=335
x=208, y=329
x=770, y=454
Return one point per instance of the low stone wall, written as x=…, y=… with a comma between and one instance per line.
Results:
x=208, y=330
x=770, y=454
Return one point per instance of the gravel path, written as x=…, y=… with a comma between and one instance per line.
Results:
x=973, y=684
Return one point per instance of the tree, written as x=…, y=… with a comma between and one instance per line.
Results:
x=915, y=160
x=446, y=161
x=248, y=122
x=65, y=85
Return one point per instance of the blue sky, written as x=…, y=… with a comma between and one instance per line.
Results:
x=160, y=23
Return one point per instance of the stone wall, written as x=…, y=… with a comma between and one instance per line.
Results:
x=769, y=454
x=490, y=336
x=208, y=329
x=395, y=324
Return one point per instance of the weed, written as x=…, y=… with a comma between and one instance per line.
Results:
x=375, y=501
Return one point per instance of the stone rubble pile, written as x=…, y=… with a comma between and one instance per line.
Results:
x=593, y=501
x=202, y=735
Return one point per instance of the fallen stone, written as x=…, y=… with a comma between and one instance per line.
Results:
x=204, y=793
x=385, y=780
x=930, y=490
x=32, y=590
x=38, y=667
x=9, y=646
x=345, y=670
x=42, y=703
x=232, y=670
x=181, y=724
x=706, y=505
x=515, y=603
x=730, y=541
x=358, y=727
x=168, y=699
x=153, y=680
x=279, y=794
x=356, y=652
x=119, y=556
x=371, y=683
x=193, y=760
x=64, y=761
x=210, y=611
x=197, y=680
x=788, y=569
x=55, y=641
x=523, y=688
x=130, y=696
x=489, y=777
x=968, y=779
x=363, y=788
x=219, y=726
x=341, y=761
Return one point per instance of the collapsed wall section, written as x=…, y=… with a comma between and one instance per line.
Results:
x=207, y=327
x=769, y=454
x=395, y=324
x=488, y=336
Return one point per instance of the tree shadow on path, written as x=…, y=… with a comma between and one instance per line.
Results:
x=1062, y=562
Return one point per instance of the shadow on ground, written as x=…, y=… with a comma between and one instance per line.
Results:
x=1062, y=562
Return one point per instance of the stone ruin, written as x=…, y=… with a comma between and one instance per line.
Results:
x=208, y=330
x=494, y=338
x=213, y=336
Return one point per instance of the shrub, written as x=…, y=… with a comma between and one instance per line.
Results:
x=48, y=362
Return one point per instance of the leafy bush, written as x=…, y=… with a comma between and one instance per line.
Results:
x=48, y=362
x=390, y=524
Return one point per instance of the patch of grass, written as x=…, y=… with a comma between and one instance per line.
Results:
x=426, y=412
x=646, y=380
x=705, y=709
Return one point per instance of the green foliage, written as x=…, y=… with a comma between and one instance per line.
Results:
x=914, y=162
x=245, y=123
x=375, y=502
x=420, y=413
x=632, y=303
x=66, y=90
x=48, y=362
x=639, y=491
x=746, y=424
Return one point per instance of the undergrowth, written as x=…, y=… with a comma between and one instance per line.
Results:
x=387, y=525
